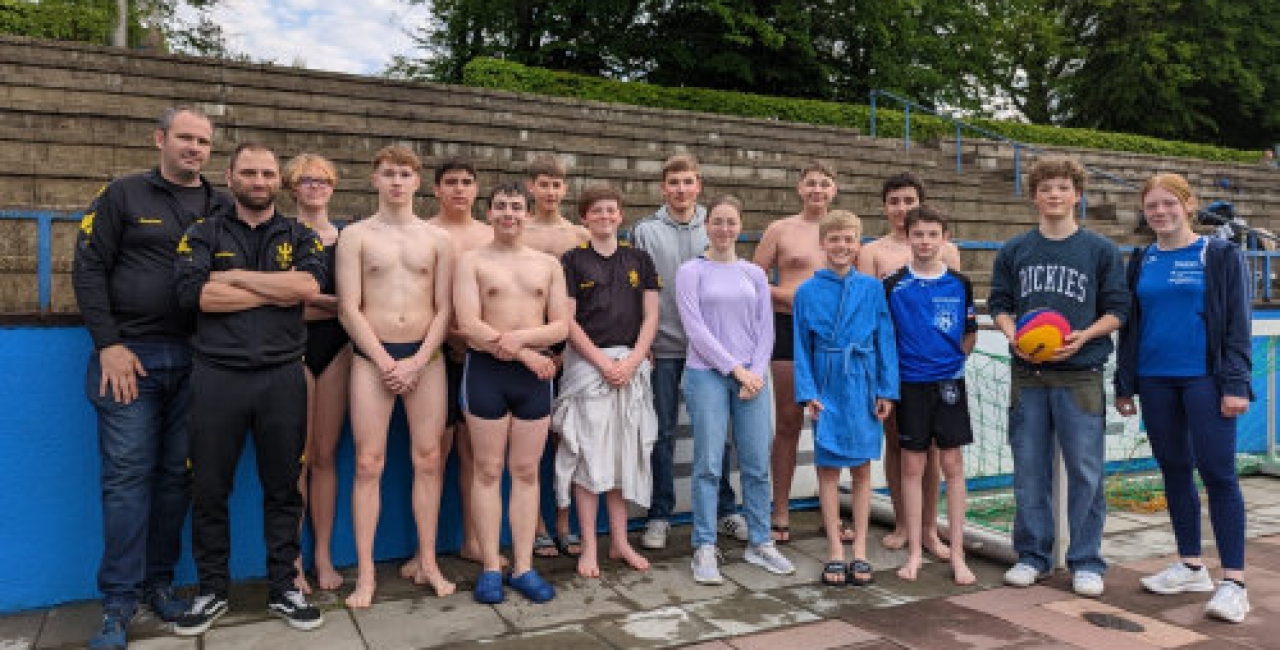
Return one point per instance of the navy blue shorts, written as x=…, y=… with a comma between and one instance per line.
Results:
x=493, y=389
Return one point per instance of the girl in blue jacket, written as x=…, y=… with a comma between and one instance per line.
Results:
x=1185, y=352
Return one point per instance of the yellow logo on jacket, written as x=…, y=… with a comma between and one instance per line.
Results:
x=634, y=278
x=184, y=246
x=284, y=255
x=86, y=223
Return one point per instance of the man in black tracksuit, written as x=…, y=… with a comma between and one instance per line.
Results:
x=249, y=272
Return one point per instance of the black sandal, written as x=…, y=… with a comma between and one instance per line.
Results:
x=544, y=547
x=834, y=568
x=783, y=533
x=860, y=567
x=569, y=539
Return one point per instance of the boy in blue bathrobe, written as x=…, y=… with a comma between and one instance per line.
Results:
x=846, y=365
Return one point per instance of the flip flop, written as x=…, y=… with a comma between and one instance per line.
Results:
x=545, y=547
x=532, y=586
x=783, y=533
x=860, y=567
x=569, y=539
x=489, y=589
x=835, y=568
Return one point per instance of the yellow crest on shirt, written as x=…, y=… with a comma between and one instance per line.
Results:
x=86, y=223
x=284, y=255
x=634, y=278
x=317, y=246
x=184, y=246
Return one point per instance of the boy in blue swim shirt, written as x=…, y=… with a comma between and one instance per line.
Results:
x=933, y=316
x=846, y=365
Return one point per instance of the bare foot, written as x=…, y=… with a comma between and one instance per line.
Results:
x=909, y=570
x=362, y=596
x=587, y=566
x=895, y=541
x=936, y=547
x=629, y=555
x=410, y=569
x=300, y=580
x=429, y=574
x=326, y=577
x=473, y=555
x=961, y=572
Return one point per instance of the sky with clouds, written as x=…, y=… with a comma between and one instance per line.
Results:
x=357, y=36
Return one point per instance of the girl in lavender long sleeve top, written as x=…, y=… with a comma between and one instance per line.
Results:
x=728, y=319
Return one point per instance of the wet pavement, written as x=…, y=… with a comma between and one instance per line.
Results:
x=664, y=607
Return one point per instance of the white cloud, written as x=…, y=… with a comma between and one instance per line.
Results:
x=357, y=37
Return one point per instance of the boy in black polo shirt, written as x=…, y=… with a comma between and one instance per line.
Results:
x=604, y=412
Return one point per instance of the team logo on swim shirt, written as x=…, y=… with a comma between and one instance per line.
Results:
x=184, y=246
x=944, y=319
x=86, y=223
x=284, y=255
x=318, y=246
x=634, y=278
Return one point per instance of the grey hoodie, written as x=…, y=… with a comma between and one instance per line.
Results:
x=670, y=244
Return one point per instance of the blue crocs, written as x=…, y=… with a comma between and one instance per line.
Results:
x=532, y=586
x=489, y=589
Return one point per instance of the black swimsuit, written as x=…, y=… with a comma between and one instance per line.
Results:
x=325, y=338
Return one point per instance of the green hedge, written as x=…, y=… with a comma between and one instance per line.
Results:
x=506, y=75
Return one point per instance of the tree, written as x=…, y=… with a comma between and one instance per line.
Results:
x=144, y=23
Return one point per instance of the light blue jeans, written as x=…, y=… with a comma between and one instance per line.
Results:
x=1062, y=408
x=712, y=402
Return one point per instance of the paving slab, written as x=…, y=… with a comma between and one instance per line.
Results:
x=1125, y=591
x=1121, y=522
x=1072, y=630
x=1156, y=633
x=752, y=577
x=72, y=624
x=166, y=643
x=656, y=628
x=943, y=625
x=1259, y=490
x=427, y=622
x=669, y=583
x=20, y=631
x=823, y=635
x=577, y=600
x=1009, y=599
x=709, y=645
x=936, y=579
x=749, y=612
x=881, y=558
x=338, y=633
x=836, y=601
x=565, y=637
x=1260, y=629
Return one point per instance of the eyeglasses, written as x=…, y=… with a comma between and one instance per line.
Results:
x=313, y=182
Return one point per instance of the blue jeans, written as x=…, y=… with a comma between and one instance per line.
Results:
x=1063, y=408
x=665, y=380
x=712, y=401
x=1187, y=431
x=146, y=486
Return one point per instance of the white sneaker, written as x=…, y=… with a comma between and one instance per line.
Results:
x=655, y=534
x=1087, y=584
x=768, y=557
x=1229, y=603
x=1023, y=575
x=706, y=565
x=1177, y=579
x=734, y=526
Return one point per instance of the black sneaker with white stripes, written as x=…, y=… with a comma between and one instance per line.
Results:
x=205, y=609
x=293, y=607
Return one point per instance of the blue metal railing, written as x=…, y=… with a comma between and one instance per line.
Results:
x=1260, y=261
x=961, y=126
x=44, y=246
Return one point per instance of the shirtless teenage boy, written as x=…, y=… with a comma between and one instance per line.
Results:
x=791, y=246
x=880, y=259
x=512, y=305
x=455, y=187
x=548, y=231
x=395, y=294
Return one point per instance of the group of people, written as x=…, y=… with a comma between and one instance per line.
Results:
x=215, y=316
